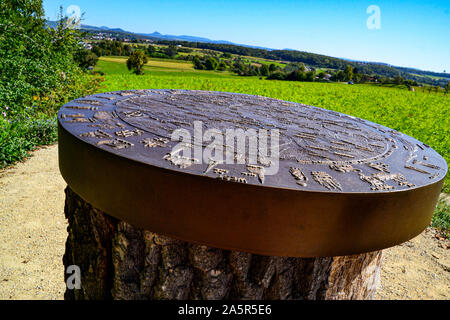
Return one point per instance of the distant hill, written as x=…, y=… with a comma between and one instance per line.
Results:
x=183, y=38
x=155, y=35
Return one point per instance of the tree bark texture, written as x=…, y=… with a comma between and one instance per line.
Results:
x=120, y=261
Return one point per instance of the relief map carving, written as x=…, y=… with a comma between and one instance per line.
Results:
x=320, y=150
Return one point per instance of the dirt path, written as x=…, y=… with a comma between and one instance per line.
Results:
x=32, y=228
x=33, y=233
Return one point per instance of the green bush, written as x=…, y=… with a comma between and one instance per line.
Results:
x=85, y=59
x=136, y=62
x=38, y=73
x=19, y=136
x=35, y=60
x=441, y=217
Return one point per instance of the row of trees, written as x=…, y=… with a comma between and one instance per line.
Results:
x=298, y=72
x=118, y=48
x=210, y=63
x=236, y=65
x=112, y=48
x=316, y=61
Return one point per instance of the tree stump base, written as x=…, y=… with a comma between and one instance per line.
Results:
x=120, y=261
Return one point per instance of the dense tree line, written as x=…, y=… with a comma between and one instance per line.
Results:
x=112, y=48
x=314, y=60
x=118, y=48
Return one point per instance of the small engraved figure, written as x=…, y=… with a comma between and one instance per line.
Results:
x=180, y=123
x=318, y=148
x=105, y=97
x=82, y=108
x=73, y=116
x=107, y=125
x=88, y=101
x=80, y=120
x=249, y=174
x=238, y=157
x=340, y=148
x=116, y=143
x=343, y=155
x=377, y=180
x=344, y=168
x=180, y=161
x=425, y=164
x=129, y=133
x=376, y=184
x=314, y=154
x=325, y=180
x=264, y=160
x=212, y=163
x=133, y=114
x=96, y=134
x=126, y=93
x=397, y=177
x=410, y=167
x=154, y=142
x=383, y=167
x=258, y=170
x=76, y=118
x=375, y=145
x=306, y=135
x=299, y=176
x=103, y=115
x=433, y=176
x=220, y=171
x=232, y=178
x=364, y=148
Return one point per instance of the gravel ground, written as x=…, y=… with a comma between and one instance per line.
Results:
x=33, y=234
x=32, y=228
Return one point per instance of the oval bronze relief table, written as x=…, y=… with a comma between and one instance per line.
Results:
x=148, y=221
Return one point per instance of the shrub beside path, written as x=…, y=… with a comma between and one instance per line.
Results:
x=33, y=234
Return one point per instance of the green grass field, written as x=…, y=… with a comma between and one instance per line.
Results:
x=112, y=66
x=421, y=115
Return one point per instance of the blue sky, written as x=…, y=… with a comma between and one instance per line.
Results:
x=412, y=34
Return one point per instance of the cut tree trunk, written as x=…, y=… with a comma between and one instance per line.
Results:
x=120, y=261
